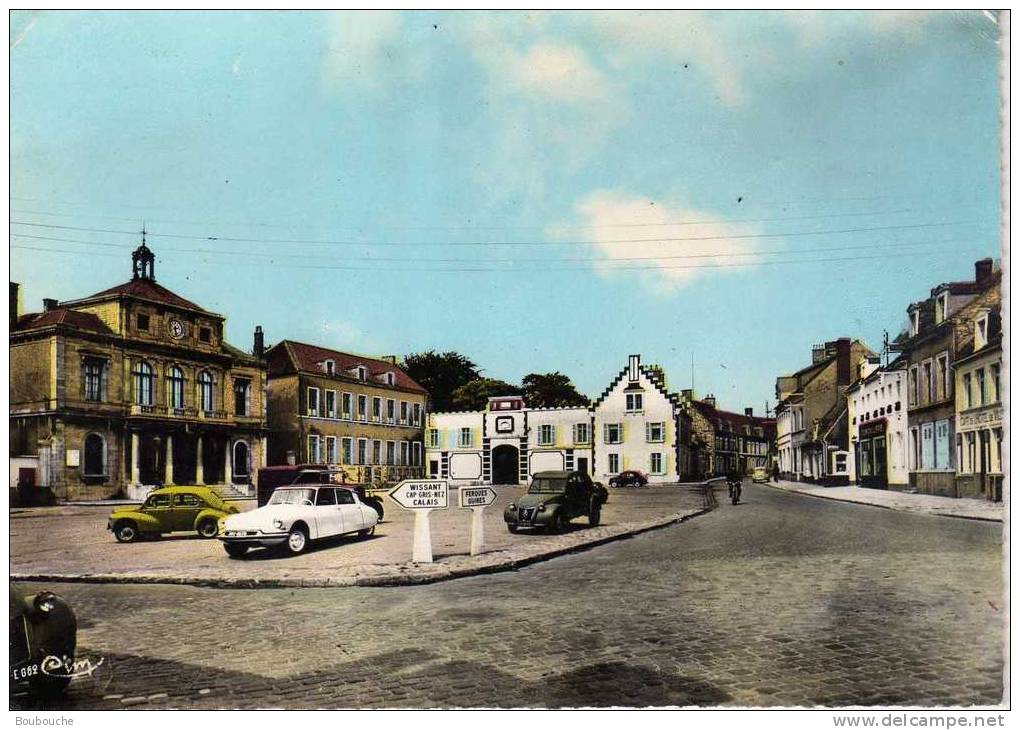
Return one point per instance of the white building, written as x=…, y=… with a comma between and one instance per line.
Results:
x=634, y=424
x=876, y=408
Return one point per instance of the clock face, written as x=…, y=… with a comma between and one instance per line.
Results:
x=176, y=328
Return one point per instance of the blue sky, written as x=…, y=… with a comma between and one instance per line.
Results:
x=540, y=191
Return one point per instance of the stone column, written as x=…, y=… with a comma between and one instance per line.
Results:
x=227, y=476
x=136, y=477
x=168, y=464
x=199, y=467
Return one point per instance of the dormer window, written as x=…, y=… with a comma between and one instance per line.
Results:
x=941, y=307
x=329, y=366
x=362, y=372
x=915, y=322
x=981, y=330
x=391, y=379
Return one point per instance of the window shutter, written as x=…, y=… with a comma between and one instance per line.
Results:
x=247, y=400
x=648, y=432
x=605, y=432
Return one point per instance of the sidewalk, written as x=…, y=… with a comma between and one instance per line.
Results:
x=71, y=543
x=971, y=509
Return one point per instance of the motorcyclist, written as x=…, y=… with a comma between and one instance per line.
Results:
x=733, y=480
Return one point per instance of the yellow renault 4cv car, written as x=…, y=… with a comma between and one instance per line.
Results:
x=171, y=509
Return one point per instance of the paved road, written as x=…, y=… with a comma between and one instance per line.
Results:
x=782, y=600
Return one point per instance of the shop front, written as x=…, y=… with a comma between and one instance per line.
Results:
x=872, y=455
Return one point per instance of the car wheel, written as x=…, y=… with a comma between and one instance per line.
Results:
x=512, y=529
x=614, y=483
x=366, y=532
x=208, y=528
x=297, y=541
x=125, y=532
x=234, y=550
x=595, y=515
x=559, y=523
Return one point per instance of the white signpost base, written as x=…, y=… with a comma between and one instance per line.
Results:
x=477, y=530
x=422, y=550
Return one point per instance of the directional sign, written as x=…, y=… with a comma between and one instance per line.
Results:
x=476, y=496
x=421, y=494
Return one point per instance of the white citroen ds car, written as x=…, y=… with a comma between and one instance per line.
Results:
x=296, y=515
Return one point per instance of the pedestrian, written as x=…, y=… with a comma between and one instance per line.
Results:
x=775, y=472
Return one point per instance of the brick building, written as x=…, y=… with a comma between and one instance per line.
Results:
x=725, y=441
x=329, y=407
x=130, y=388
x=811, y=416
x=941, y=329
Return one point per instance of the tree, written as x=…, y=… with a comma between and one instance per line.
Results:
x=551, y=390
x=474, y=396
x=440, y=374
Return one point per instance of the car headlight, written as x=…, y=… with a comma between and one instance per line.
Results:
x=45, y=602
x=511, y=506
x=278, y=524
x=541, y=508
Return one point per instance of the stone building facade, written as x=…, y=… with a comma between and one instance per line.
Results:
x=725, y=441
x=941, y=328
x=876, y=408
x=131, y=388
x=363, y=414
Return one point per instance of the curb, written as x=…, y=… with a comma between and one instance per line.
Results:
x=973, y=518
x=399, y=576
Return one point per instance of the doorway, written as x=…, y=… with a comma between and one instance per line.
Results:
x=505, y=465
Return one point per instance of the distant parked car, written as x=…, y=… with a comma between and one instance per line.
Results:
x=760, y=475
x=171, y=509
x=554, y=498
x=273, y=477
x=629, y=478
x=44, y=633
x=297, y=515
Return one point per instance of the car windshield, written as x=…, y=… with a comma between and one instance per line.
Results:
x=547, y=486
x=293, y=496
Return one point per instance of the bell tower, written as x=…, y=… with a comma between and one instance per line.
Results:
x=143, y=261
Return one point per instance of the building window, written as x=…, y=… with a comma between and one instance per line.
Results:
x=581, y=434
x=314, y=455
x=329, y=366
x=204, y=334
x=175, y=388
x=416, y=453
x=465, y=437
x=929, y=384
x=403, y=411
x=655, y=433
x=242, y=397
x=390, y=453
x=614, y=463
x=433, y=438
x=346, y=405
x=362, y=372
x=390, y=379
x=995, y=396
x=968, y=393
x=313, y=402
x=403, y=453
x=377, y=452
x=390, y=409
x=980, y=332
x=95, y=456
x=142, y=322
x=330, y=404
x=242, y=461
x=376, y=409
x=362, y=451
x=416, y=414
x=143, y=383
x=331, y=449
x=612, y=433
x=93, y=369
x=982, y=393
x=941, y=304
x=546, y=434
x=362, y=408
x=913, y=394
x=655, y=463
x=205, y=391
x=635, y=402
x=346, y=450
x=915, y=322
x=942, y=370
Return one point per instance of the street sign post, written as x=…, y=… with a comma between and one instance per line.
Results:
x=477, y=498
x=422, y=496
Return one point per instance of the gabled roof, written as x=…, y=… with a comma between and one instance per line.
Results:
x=307, y=358
x=149, y=290
x=61, y=316
x=653, y=378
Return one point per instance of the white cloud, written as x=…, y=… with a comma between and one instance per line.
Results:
x=631, y=233
x=547, y=70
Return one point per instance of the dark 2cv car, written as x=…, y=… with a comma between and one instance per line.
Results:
x=44, y=633
x=553, y=499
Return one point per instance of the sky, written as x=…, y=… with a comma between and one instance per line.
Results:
x=541, y=192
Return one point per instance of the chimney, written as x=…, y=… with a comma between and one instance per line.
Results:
x=983, y=270
x=687, y=395
x=259, y=348
x=843, y=368
x=391, y=359
x=817, y=353
x=49, y=304
x=709, y=400
x=633, y=368
x=749, y=412
x=14, y=312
